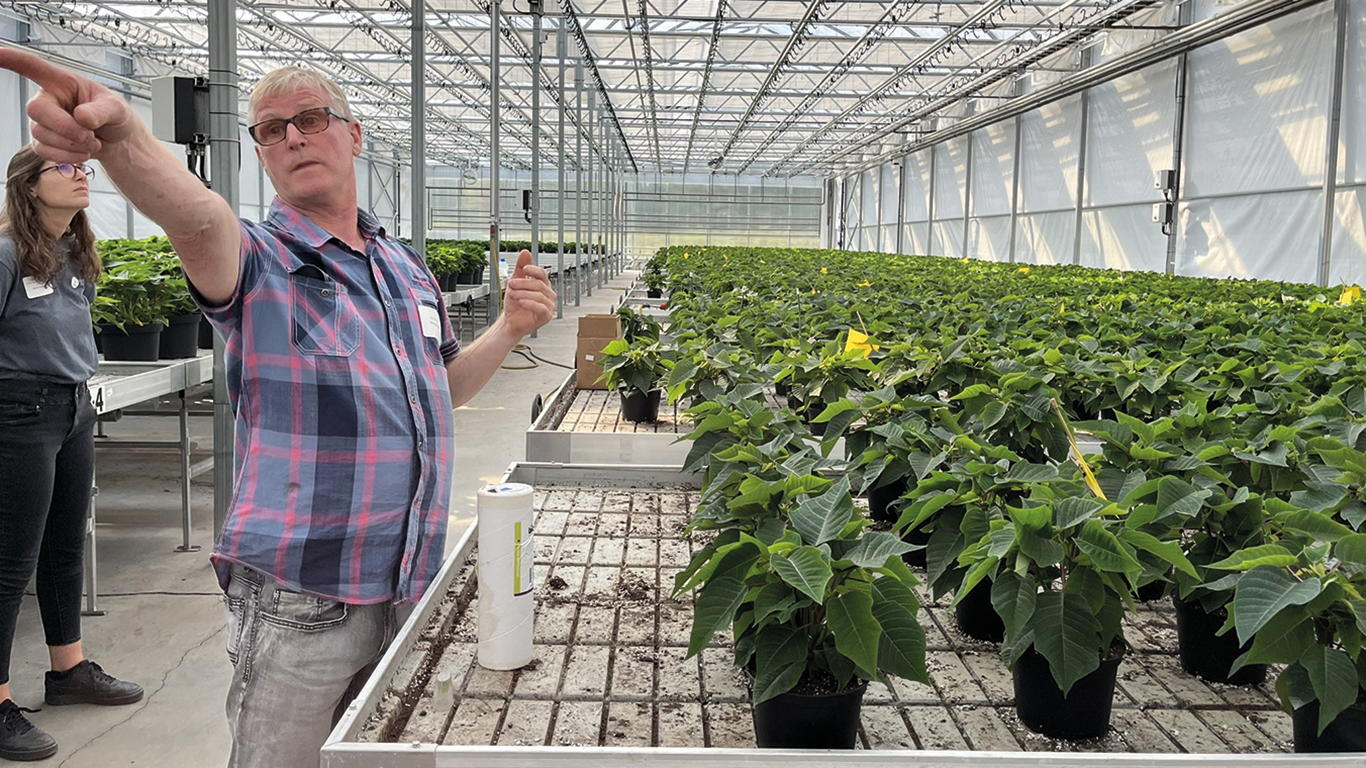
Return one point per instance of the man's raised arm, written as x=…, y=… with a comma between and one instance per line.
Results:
x=75, y=119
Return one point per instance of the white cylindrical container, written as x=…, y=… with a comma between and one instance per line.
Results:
x=506, y=553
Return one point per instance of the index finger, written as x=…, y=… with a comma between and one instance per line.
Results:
x=50, y=77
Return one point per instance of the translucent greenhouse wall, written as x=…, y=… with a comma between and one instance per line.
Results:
x=661, y=209
x=1252, y=167
x=378, y=188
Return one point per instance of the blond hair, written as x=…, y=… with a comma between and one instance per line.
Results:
x=290, y=79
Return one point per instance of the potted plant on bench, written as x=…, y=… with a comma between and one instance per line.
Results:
x=636, y=370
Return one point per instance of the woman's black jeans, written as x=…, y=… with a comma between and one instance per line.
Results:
x=47, y=465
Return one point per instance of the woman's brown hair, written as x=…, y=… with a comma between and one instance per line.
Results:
x=22, y=220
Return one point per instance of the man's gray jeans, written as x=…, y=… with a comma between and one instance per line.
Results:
x=298, y=661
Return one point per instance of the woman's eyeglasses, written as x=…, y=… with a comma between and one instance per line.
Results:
x=68, y=170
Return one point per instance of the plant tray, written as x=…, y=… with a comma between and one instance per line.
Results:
x=610, y=684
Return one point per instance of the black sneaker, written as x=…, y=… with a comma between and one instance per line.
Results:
x=20, y=739
x=86, y=683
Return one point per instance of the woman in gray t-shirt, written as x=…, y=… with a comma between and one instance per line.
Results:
x=48, y=268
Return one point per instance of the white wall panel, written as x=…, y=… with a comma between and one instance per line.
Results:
x=993, y=169
x=11, y=117
x=1048, y=156
x=948, y=238
x=868, y=208
x=950, y=179
x=1349, y=238
x=915, y=238
x=989, y=238
x=1129, y=136
x=1257, y=108
x=1045, y=238
x=108, y=214
x=1352, y=147
x=1270, y=237
x=887, y=211
x=916, y=202
x=1123, y=237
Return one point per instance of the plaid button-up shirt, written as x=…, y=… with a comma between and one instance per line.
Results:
x=344, y=431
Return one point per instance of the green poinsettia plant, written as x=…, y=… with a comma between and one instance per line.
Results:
x=1301, y=600
x=1064, y=567
x=807, y=591
x=635, y=367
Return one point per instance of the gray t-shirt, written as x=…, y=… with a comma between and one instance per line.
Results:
x=45, y=331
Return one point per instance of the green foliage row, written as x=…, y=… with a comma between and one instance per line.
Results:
x=1228, y=415
x=142, y=283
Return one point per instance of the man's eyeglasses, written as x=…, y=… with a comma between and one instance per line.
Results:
x=270, y=132
x=68, y=170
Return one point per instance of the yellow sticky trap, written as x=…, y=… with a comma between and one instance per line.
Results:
x=1350, y=294
x=859, y=341
x=1024, y=270
x=1062, y=307
x=1077, y=459
x=824, y=271
x=865, y=284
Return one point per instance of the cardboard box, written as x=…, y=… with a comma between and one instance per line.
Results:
x=599, y=327
x=595, y=332
x=589, y=363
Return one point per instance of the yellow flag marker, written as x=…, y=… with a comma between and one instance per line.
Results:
x=865, y=284
x=1350, y=294
x=860, y=342
x=1076, y=453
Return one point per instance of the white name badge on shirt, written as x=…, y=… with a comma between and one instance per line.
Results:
x=35, y=289
x=431, y=321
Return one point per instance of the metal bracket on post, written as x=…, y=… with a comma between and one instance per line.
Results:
x=185, y=448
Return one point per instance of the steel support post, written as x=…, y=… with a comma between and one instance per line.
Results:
x=1085, y=132
x=495, y=97
x=1178, y=139
x=419, y=126
x=1330, y=163
x=224, y=149
x=578, y=184
x=561, y=44
x=536, y=45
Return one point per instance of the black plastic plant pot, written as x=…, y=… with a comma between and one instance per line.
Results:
x=1151, y=591
x=1084, y=713
x=782, y=389
x=1208, y=655
x=205, y=334
x=880, y=501
x=1347, y=732
x=180, y=339
x=470, y=278
x=446, y=282
x=977, y=617
x=654, y=293
x=916, y=559
x=141, y=343
x=639, y=406
x=799, y=721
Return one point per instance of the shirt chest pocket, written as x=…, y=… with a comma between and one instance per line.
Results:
x=323, y=321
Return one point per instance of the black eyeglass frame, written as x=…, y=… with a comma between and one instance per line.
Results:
x=288, y=121
x=82, y=167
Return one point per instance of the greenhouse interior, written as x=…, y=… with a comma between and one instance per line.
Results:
x=683, y=383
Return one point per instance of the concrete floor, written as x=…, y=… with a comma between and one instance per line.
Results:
x=164, y=626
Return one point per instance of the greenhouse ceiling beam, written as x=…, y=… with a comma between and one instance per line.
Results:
x=514, y=42
x=1240, y=18
x=813, y=12
x=644, y=10
x=590, y=65
x=1023, y=57
x=702, y=90
x=926, y=57
x=870, y=40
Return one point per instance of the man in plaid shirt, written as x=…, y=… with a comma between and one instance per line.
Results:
x=343, y=370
